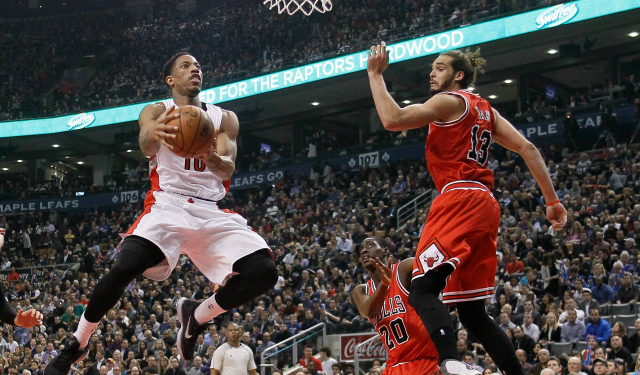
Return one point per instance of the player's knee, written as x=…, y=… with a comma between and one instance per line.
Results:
x=472, y=314
x=263, y=272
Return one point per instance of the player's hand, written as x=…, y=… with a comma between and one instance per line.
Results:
x=385, y=271
x=28, y=319
x=161, y=132
x=557, y=215
x=378, y=59
x=209, y=154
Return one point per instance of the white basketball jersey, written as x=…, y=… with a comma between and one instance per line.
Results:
x=174, y=174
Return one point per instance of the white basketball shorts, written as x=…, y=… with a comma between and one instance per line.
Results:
x=213, y=238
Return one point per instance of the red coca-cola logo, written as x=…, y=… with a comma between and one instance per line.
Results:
x=372, y=350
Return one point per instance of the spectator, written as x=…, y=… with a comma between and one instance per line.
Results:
x=619, y=351
x=601, y=292
x=551, y=331
x=573, y=330
x=598, y=328
x=524, y=342
x=326, y=359
x=308, y=357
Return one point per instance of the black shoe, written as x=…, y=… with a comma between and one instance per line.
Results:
x=189, y=328
x=454, y=367
x=69, y=356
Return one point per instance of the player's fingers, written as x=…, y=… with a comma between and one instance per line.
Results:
x=389, y=262
x=165, y=119
x=168, y=128
x=170, y=147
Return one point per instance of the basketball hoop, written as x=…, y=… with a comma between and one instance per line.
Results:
x=305, y=6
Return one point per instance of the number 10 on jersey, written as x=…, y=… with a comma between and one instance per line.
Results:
x=198, y=164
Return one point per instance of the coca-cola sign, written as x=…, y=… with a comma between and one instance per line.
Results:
x=372, y=350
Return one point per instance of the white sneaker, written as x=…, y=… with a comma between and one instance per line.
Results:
x=455, y=367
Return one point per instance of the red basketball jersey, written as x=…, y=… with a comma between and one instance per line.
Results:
x=399, y=325
x=458, y=150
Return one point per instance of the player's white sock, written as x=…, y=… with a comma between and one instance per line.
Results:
x=208, y=310
x=84, y=331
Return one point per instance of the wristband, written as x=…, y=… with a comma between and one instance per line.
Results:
x=383, y=283
x=552, y=203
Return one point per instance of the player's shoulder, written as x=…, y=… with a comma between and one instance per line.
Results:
x=229, y=120
x=153, y=109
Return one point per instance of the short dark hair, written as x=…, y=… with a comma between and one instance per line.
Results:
x=308, y=346
x=326, y=350
x=467, y=61
x=382, y=242
x=167, y=69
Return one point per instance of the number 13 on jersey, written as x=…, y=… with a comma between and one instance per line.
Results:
x=480, y=143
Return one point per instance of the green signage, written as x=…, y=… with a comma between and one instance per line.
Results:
x=519, y=24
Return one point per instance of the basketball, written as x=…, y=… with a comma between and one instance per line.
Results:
x=195, y=135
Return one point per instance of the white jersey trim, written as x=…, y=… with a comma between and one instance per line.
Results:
x=462, y=116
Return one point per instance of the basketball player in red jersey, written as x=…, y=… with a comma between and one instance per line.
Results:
x=182, y=216
x=384, y=299
x=456, y=253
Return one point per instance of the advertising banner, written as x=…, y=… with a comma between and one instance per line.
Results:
x=33, y=273
x=501, y=28
x=73, y=203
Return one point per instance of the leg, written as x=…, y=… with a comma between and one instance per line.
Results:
x=7, y=313
x=433, y=313
x=256, y=275
x=474, y=318
x=137, y=255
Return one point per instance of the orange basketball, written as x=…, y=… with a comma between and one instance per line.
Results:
x=196, y=133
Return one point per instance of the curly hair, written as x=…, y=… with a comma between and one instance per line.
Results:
x=467, y=61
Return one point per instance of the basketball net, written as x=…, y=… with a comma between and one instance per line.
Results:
x=305, y=6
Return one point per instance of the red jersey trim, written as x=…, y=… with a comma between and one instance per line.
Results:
x=459, y=119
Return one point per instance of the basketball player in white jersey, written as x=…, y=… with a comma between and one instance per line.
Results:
x=181, y=216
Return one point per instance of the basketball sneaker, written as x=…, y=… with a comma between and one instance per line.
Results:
x=69, y=356
x=455, y=367
x=189, y=328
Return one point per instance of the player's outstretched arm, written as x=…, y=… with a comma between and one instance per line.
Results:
x=405, y=271
x=369, y=306
x=153, y=128
x=221, y=159
x=412, y=116
x=28, y=319
x=506, y=135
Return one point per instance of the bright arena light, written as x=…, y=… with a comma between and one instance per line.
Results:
x=633, y=34
x=315, y=104
x=492, y=96
x=507, y=81
x=552, y=51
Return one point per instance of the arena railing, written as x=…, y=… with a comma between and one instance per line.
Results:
x=359, y=348
x=295, y=340
x=410, y=210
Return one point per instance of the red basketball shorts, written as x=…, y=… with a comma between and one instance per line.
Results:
x=461, y=230
x=424, y=366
